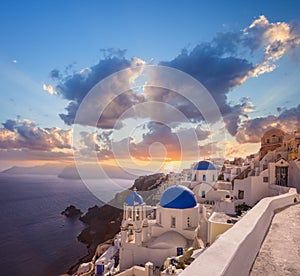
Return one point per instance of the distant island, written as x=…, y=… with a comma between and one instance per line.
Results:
x=70, y=171
x=47, y=169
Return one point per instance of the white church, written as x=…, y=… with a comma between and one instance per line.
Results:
x=175, y=229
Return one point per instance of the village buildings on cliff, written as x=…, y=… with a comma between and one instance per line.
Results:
x=195, y=207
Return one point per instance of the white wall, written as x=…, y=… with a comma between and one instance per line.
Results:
x=275, y=190
x=224, y=206
x=243, y=185
x=272, y=175
x=259, y=189
x=254, y=188
x=210, y=175
x=138, y=271
x=181, y=216
x=222, y=185
x=218, y=195
x=294, y=175
x=227, y=176
x=133, y=255
x=235, y=251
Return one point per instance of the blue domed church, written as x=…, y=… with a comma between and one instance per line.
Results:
x=176, y=225
x=205, y=171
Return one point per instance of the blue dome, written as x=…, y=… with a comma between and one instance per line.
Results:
x=204, y=166
x=178, y=197
x=134, y=199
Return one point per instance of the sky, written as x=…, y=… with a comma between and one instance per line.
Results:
x=52, y=53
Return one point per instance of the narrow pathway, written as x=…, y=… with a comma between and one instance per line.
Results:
x=280, y=251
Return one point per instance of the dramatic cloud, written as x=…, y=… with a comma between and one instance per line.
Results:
x=55, y=74
x=206, y=62
x=275, y=38
x=220, y=69
x=90, y=141
x=71, y=113
x=218, y=72
x=24, y=134
x=201, y=134
x=158, y=141
x=210, y=149
x=158, y=133
x=77, y=86
x=221, y=65
x=116, y=109
x=252, y=130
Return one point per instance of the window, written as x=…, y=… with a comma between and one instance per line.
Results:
x=241, y=194
x=266, y=179
x=159, y=218
x=203, y=194
x=203, y=177
x=173, y=222
x=268, y=141
x=213, y=177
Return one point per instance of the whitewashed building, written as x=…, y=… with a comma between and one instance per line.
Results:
x=205, y=171
x=175, y=229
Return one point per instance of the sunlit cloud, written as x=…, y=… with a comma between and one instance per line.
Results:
x=251, y=131
x=85, y=72
x=25, y=134
x=275, y=38
x=221, y=65
x=49, y=88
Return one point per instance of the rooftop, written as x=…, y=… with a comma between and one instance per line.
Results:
x=204, y=166
x=223, y=218
x=134, y=199
x=178, y=197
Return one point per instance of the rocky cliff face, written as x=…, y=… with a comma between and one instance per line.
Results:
x=103, y=222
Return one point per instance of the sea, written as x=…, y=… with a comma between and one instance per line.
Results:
x=35, y=239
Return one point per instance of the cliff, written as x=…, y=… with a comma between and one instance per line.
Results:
x=103, y=222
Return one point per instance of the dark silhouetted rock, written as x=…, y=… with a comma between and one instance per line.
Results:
x=71, y=211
